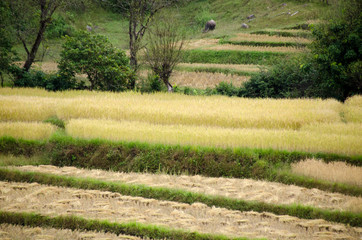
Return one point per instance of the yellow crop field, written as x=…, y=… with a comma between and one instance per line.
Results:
x=215, y=136
x=27, y=130
x=353, y=109
x=334, y=171
x=203, y=80
x=163, y=108
x=266, y=38
x=335, y=128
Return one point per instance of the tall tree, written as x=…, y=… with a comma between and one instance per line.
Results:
x=140, y=14
x=30, y=18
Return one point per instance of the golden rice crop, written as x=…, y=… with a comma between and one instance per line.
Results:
x=26, y=108
x=163, y=108
x=204, y=80
x=333, y=171
x=27, y=130
x=267, y=38
x=353, y=109
x=215, y=136
x=237, y=67
x=254, y=48
x=335, y=128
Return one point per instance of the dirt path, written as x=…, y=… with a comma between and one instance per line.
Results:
x=8, y=231
x=246, y=189
x=54, y=201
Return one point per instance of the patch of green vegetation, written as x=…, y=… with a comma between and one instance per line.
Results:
x=232, y=57
x=303, y=34
x=55, y=121
x=142, y=157
x=306, y=212
x=216, y=70
x=79, y=223
x=10, y=160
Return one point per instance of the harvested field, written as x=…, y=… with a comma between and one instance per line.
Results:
x=27, y=130
x=92, y=204
x=352, y=111
x=266, y=38
x=254, y=48
x=238, y=67
x=245, y=189
x=8, y=231
x=290, y=140
x=334, y=172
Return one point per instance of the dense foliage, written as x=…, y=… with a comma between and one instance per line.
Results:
x=106, y=67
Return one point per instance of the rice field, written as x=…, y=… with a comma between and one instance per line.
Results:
x=334, y=171
x=114, y=207
x=254, y=48
x=290, y=140
x=266, y=38
x=299, y=124
x=27, y=130
x=237, y=67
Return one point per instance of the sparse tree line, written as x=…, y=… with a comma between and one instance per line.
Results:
x=106, y=67
x=332, y=70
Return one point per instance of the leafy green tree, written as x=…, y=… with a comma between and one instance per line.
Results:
x=338, y=51
x=106, y=67
x=7, y=54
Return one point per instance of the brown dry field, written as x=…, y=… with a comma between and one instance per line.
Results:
x=202, y=80
x=245, y=189
x=15, y=232
x=333, y=171
x=92, y=204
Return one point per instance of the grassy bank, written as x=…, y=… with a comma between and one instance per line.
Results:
x=153, y=158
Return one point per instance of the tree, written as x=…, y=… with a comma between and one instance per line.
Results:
x=140, y=14
x=106, y=67
x=164, y=49
x=337, y=50
x=30, y=19
x=7, y=54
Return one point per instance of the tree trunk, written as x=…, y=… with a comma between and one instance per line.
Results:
x=31, y=56
x=167, y=83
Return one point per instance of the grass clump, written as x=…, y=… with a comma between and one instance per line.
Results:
x=56, y=122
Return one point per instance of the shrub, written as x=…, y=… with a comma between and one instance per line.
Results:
x=151, y=84
x=58, y=28
x=106, y=67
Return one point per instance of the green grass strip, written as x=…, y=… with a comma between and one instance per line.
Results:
x=233, y=57
x=266, y=44
x=153, y=158
x=304, y=34
x=306, y=212
x=217, y=70
x=82, y=224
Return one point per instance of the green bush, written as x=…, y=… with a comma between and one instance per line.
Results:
x=106, y=67
x=151, y=84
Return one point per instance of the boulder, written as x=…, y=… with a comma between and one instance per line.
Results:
x=244, y=25
x=250, y=16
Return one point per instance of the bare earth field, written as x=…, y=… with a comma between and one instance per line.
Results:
x=55, y=201
x=246, y=189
